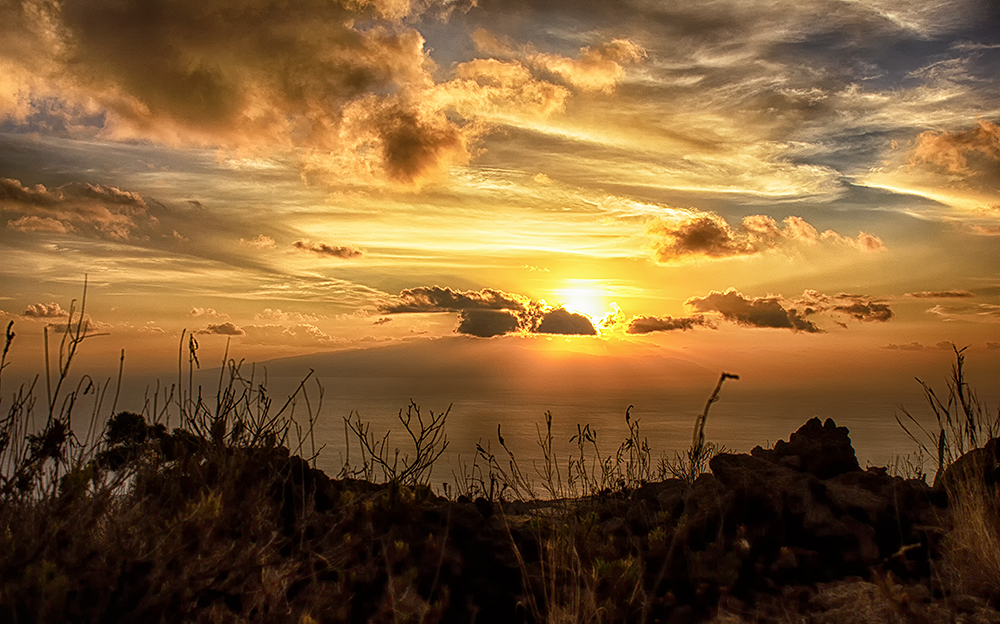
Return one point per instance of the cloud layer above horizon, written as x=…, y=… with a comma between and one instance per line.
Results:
x=634, y=171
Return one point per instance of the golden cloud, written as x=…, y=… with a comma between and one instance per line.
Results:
x=958, y=168
x=490, y=87
x=598, y=68
x=346, y=83
x=775, y=311
x=94, y=209
x=952, y=151
x=693, y=234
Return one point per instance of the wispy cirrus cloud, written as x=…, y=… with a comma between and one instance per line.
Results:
x=973, y=311
x=596, y=68
x=301, y=334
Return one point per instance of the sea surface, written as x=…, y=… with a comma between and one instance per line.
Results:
x=738, y=421
x=507, y=389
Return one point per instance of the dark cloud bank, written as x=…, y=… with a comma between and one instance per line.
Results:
x=490, y=312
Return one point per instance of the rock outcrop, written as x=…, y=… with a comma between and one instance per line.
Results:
x=821, y=449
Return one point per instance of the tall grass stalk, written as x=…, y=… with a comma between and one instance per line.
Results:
x=695, y=460
x=962, y=422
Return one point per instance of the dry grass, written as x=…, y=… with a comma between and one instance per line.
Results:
x=221, y=520
x=972, y=547
x=962, y=422
x=213, y=520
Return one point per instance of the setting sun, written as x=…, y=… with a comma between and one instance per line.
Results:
x=278, y=230
x=384, y=186
x=583, y=297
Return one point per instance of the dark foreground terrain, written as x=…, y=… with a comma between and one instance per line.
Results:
x=200, y=531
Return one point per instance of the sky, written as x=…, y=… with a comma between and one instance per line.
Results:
x=803, y=193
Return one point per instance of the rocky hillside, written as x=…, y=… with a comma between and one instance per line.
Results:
x=798, y=532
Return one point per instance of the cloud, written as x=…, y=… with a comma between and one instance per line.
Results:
x=959, y=168
x=90, y=328
x=348, y=86
x=407, y=140
x=978, y=311
x=864, y=311
x=302, y=334
x=688, y=234
x=259, y=242
x=94, y=209
x=858, y=307
x=438, y=299
x=223, y=329
x=262, y=74
x=965, y=153
x=562, y=321
x=492, y=87
x=614, y=318
x=490, y=312
x=753, y=311
x=40, y=224
x=487, y=323
x=195, y=71
x=940, y=294
x=864, y=241
x=598, y=68
x=985, y=230
x=944, y=345
x=382, y=320
x=44, y=310
x=279, y=315
x=649, y=324
x=327, y=251
x=210, y=312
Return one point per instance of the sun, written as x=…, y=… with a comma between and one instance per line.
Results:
x=583, y=297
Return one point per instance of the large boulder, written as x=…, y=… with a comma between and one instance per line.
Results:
x=821, y=449
x=808, y=513
x=977, y=468
x=790, y=523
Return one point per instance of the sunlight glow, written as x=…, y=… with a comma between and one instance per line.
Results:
x=584, y=297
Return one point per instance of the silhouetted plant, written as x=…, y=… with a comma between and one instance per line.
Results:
x=695, y=460
x=963, y=423
x=379, y=461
